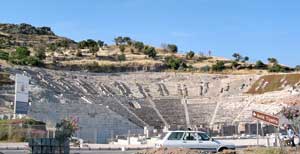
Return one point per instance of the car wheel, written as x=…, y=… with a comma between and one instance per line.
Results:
x=222, y=149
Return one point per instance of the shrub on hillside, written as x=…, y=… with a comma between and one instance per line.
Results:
x=123, y=40
x=260, y=65
x=122, y=48
x=4, y=55
x=150, y=51
x=22, y=57
x=175, y=63
x=40, y=53
x=32, y=61
x=235, y=64
x=122, y=57
x=238, y=57
x=219, y=66
x=100, y=43
x=273, y=60
x=190, y=54
x=89, y=43
x=278, y=68
x=93, y=49
x=139, y=45
x=52, y=47
x=172, y=48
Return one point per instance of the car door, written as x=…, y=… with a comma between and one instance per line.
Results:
x=206, y=143
x=190, y=140
x=174, y=140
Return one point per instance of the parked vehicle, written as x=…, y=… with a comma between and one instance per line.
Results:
x=193, y=140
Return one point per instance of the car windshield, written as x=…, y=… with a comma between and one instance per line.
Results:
x=162, y=136
x=203, y=136
x=175, y=136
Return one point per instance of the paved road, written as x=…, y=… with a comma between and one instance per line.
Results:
x=72, y=152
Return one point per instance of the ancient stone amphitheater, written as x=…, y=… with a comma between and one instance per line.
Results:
x=112, y=104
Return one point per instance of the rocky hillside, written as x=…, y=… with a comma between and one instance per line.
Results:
x=24, y=44
x=12, y=35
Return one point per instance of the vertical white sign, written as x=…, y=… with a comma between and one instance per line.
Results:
x=21, y=94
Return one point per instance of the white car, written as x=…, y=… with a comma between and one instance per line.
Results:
x=193, y=140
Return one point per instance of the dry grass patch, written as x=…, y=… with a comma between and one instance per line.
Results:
x=4, y=79
x=274, y=82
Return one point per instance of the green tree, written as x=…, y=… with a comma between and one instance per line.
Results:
x=151, y=52
x=172, y=48
x=273, y=60
x=82, y=44
x=100, y=43
x=139, y=45
x=89, y=43
x=127, y=40
x=118, y=40
x=190, y=54
x=245, y=59
x=219, y=66
x=237, y=56
x=22, y=52
x=260, y=65
x=175, y=63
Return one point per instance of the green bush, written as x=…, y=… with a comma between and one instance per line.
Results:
x=151, y=52
x=122, y=57
x=100, y=43
x=122, y=40
x=273, y=60
x=32, y=61
x=219, y=66
x=52, y=47
x=172, y=47
x=4, y=55
x=260, y=65
x=175, y=63
x=278, y=68
x=22, y=52
x=139, y=45
x=22, y=57
x=190, y=54
x=89, y=43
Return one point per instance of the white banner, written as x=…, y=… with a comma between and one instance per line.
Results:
x=21, y=94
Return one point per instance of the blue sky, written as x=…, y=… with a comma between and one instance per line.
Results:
x=256, y=28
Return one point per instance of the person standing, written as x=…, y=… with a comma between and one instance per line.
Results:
x=291, y=135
